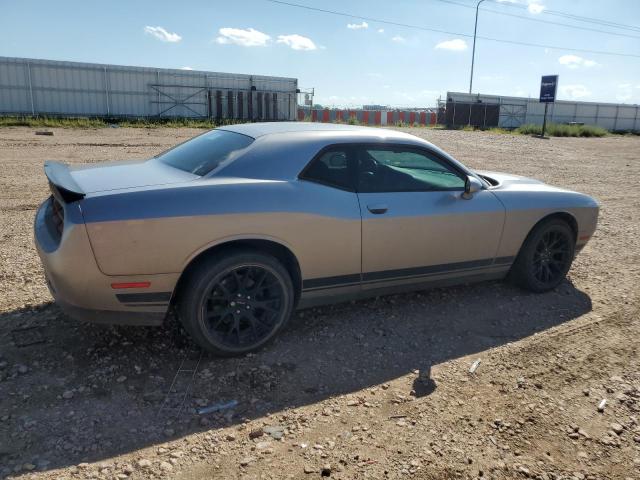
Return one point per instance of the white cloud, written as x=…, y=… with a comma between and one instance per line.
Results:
x=535, y=7
x=161, y=34
x=575, y=91
x=186, y=68
x=625, y=93
x=507, y=1
x=381, y=30
x=399, y=39
x=575, y=61
x=244, y=37
x=374, y=75
x=456, y=45
x=357, y=26
x=297, y=42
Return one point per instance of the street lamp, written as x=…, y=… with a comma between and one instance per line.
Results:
x=473, y=55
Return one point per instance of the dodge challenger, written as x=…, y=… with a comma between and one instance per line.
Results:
x=237, y=227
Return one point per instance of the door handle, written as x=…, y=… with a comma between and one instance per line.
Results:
x=377, y=208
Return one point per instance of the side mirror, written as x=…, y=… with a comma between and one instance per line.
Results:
x=471, y=185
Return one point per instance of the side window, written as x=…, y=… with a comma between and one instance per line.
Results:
x=331, y=168
x=398, y=169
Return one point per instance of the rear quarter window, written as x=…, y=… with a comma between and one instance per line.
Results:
x=202, y=154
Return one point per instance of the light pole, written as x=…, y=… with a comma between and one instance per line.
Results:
x=473, y=55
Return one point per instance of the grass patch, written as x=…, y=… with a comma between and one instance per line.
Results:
x=560, y=130
x=83, y=122
x=51, y=122
x=501, y=131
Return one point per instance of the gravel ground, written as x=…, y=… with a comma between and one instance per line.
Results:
x=372, y=389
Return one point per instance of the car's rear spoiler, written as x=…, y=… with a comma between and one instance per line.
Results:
x=61, y=182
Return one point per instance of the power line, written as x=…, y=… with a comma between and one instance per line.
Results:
x=572, y=16
x=370, y=19
x=428, y=29
x=531, y=19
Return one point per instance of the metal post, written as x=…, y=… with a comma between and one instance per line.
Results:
x=33, y=110
x=544, y=120
x=453, y=120
x=473, y=54
x=635, y=120
x=615, y=121
x=106, y=90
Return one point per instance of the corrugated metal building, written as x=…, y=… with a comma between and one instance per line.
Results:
x=55, y=88
x=511, y=112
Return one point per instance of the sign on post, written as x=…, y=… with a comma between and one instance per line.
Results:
x=548, y=90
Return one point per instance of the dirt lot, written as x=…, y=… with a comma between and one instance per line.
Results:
x=372, y=389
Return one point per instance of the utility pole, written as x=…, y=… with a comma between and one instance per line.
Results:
x=473, y=54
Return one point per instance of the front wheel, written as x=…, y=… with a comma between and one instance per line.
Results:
x=545, y=257
x=234, y=304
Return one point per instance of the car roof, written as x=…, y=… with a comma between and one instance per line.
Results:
x=256, y=130
x=293, y=144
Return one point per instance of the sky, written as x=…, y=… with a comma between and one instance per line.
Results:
x=349, y=61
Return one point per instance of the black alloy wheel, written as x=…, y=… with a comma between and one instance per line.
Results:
x=551, y=257
x=236, y=302
x=545, y=257
x=242, y=306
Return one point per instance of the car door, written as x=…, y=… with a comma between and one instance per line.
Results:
x=329, y=240
x=416, y=224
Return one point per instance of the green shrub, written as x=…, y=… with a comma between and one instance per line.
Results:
x=353, y=121
x=562, y=130
x=499, y=130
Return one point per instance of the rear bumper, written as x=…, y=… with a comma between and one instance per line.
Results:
x=112, y=317
x=82, y=290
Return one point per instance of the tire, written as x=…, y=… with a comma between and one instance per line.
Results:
x=235, y=303
x=545, y=257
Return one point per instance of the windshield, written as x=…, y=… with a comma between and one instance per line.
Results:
x=205, y=152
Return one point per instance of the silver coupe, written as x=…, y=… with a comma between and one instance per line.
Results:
x=241, y=225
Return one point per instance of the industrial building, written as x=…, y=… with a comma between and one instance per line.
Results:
x=56, y=88
x=486, y=111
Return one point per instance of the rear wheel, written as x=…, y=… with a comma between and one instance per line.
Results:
x=236, y=303
x=545, y=257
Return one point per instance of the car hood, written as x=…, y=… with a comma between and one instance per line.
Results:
x=498, y=179
x=126, y=175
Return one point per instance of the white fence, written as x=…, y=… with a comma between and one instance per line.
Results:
x=516, y=111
